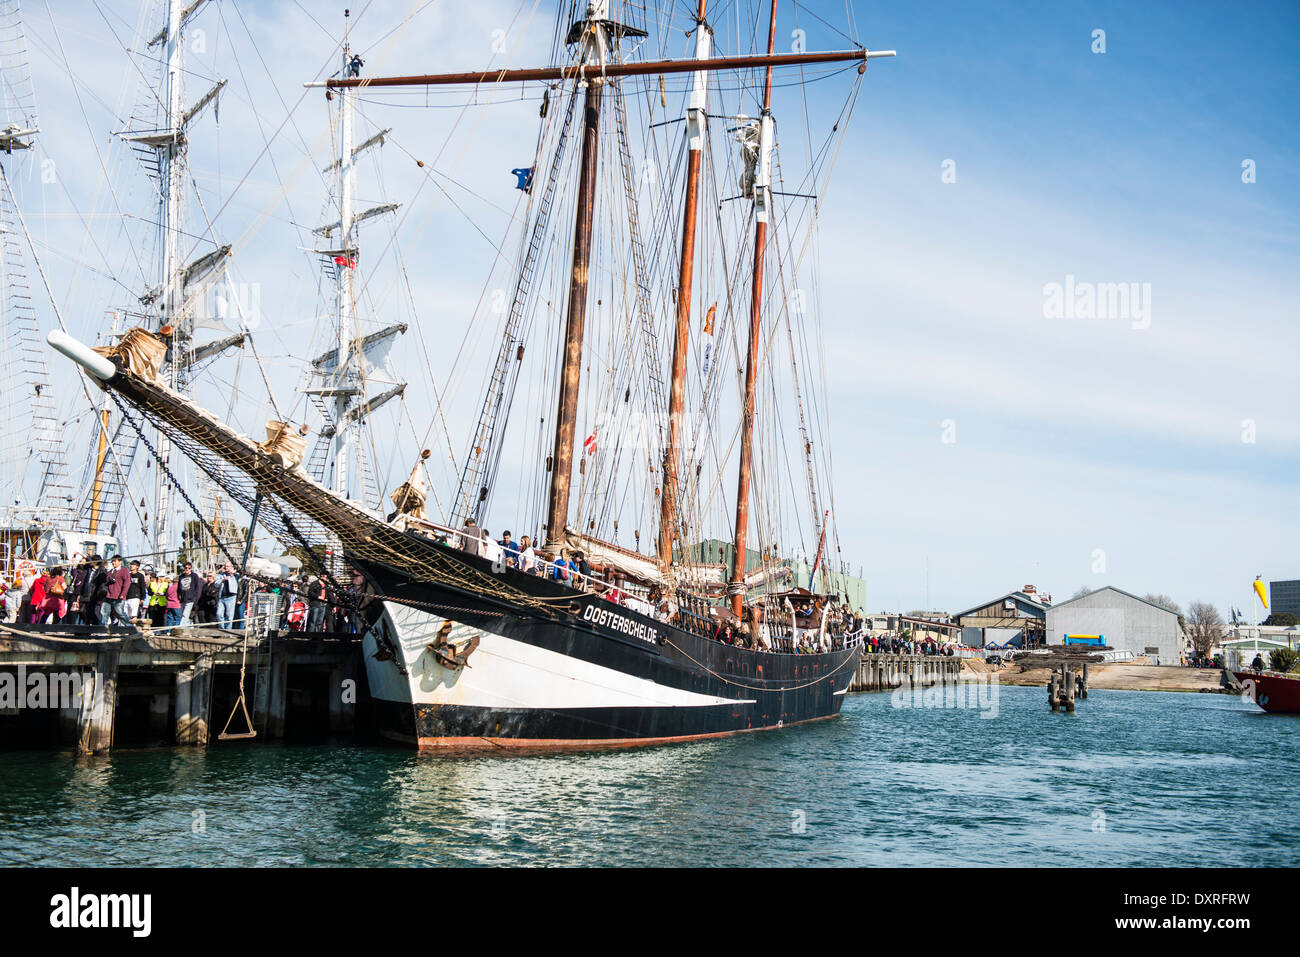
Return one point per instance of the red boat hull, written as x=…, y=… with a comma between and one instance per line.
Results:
x=1275, y=693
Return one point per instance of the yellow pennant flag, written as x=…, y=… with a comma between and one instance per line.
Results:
x=1259, y=590
x=708, y=319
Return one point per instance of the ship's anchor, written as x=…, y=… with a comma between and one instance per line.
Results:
x=447, y=653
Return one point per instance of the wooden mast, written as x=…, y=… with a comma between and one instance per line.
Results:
x=557, y=510
x=101, y=456
x=566, y=421
x=695, y=114
x=736, y=587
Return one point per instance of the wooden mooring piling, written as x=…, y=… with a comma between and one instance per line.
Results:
x=95, y=691
x=884, y=672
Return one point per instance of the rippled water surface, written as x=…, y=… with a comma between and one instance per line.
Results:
x=1131, y=778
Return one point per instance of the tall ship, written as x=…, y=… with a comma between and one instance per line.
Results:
x=661, y=271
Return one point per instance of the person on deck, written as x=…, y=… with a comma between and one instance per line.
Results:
x=561, y=571
x=583, y=568
x=471, y=537
x=318, y=603
x=511, y=549
x=492, y=550
x=527, y=556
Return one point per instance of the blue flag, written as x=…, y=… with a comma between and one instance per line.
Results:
x=525, y=179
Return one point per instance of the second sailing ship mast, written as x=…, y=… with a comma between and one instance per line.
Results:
x=346, y=291
x=180, y=285
x=762, y=200
x=169, y=157
x=695, y=131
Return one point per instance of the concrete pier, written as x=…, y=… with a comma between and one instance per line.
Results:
x=141, y=688
x=884, y=672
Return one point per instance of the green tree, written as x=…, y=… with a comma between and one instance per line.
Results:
x=1283, y=659
x=1285, y=619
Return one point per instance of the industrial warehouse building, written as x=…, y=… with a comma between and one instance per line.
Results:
x=1017, y=618
x=1129, y=623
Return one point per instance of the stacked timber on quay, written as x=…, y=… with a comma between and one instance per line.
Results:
x=884, y=672
x=92, y=691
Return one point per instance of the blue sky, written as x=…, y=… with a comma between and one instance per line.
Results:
x=1073, y=437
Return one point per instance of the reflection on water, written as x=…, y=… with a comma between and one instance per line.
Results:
x=1131, y=778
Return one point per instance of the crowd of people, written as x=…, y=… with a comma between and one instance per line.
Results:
x=116, y=593
x=897, y=645
x=570, y=566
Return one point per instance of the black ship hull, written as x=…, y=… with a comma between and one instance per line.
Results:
x=582, y=673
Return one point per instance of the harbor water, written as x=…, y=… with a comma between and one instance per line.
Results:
x=1131, y=778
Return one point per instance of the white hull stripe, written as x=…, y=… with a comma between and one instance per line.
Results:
x=505, y=673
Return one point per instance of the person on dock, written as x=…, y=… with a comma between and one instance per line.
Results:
x=158, y=599
x=227, y=593
x=189, y=589
x=75, y=586
x=119, y=585
x=174, y=607
x=137, y=593
x=205, y=609
x=94, y=592
x=36, y=598
x=51, y=606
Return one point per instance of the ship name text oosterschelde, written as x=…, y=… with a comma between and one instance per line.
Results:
x=620, y=623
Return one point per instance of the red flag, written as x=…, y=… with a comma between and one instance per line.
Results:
x=345, y=261
x=589, y=445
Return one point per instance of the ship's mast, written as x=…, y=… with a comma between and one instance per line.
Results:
x=595, y=49
x=339, y=378
x=345, y=434
x=696, y=119
x=170, y=155
x=762, y=202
